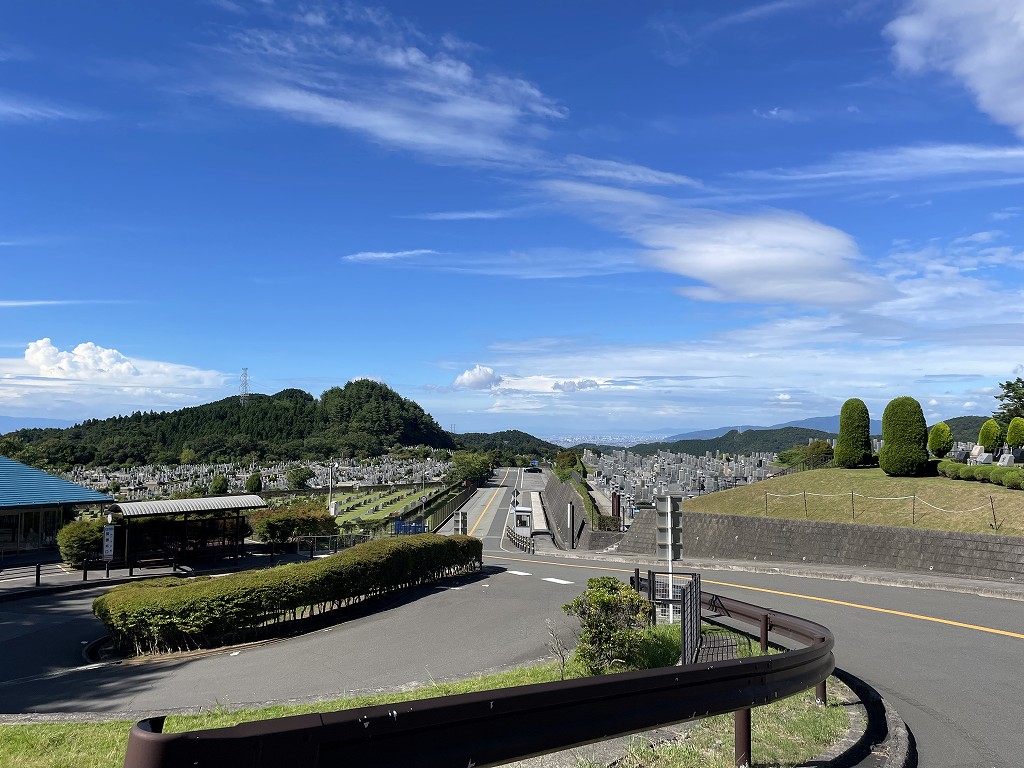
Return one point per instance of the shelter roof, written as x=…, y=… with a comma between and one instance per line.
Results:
x=181, y=506
x=22, y=486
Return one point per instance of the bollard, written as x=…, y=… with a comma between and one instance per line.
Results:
x=741, y=723
x=39, y=570
x=107, y=575
x=820, y=696
x=85, y=571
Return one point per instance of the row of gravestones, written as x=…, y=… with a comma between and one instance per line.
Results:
x=1003, y=457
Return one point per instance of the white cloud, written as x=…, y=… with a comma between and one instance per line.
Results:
x=478, y=377
x=93, y=380
x=769, y=257
x=977, y=42
x=625, y=173
x=782, y=396
x=574, y=386
x=86, y=362
x=388, y=255
x=756, y=13
x=777, y=113
x=481, y=215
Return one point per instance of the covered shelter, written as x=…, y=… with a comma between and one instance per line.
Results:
x=34, y=505
x=183, y=530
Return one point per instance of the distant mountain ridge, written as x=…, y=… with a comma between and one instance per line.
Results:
x=828, y=424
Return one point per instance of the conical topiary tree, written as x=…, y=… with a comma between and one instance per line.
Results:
x=1015, y=432
x=940, y=440
x=905, y=439
x=990, y=436
x=853, y=446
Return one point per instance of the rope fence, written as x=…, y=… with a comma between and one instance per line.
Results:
x=914, y=499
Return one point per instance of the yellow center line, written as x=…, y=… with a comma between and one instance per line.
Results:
x=845, y=604
x=494, y=495
x=918, y=616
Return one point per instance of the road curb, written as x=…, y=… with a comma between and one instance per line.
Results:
x=885, y=741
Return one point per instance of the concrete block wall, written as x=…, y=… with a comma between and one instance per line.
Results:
x=803, y=541
x=642, y=536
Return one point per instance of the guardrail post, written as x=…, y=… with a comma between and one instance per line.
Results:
x=820, y=696
x=39, y=572
x=741, y=722
x=764, y=633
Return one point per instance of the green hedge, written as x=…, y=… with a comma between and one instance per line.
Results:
x=79, y=540
x=1013, y=479
x=172, y=614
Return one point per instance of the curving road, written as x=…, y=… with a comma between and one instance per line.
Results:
x=950, y=663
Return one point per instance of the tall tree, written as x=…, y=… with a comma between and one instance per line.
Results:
x=853, y=446
x=1011, y=399
x=940, y=439
x=904, y=439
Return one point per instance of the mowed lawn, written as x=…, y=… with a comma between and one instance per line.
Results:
x=877, y=499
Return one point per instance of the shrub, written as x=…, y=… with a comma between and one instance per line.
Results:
x=948, y=469
x=990, y=435
x=940, y=439
x=853, y=446
x=1013, y=479
x=905, y=434
x=982, y=471
x=278, y=526
x=612, y=618
x=1015, y=432
x=190, y=613
x=254, y=483
x=80, y=540
x=996, y=475
x=965, y=472
x=219, y=485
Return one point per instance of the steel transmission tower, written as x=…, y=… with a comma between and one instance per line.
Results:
x=243, y=387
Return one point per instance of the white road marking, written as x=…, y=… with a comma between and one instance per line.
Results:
x=557, y=581
x=519, y=573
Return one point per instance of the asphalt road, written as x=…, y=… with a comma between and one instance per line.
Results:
x=950, y=663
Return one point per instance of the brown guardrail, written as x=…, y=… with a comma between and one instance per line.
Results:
x=493, y=727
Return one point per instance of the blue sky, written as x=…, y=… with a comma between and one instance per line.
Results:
x=638, y=217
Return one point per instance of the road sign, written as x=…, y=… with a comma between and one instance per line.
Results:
x=423, y=499
x=108, y=542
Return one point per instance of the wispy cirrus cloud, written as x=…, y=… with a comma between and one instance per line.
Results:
x=756, y=13
x=903, y=164
x=629, y=174
x=388, y=255
x=15, y=108
x=480, y=215
x=365, y=71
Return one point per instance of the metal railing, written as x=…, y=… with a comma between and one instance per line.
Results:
x=524, y=543
x=492, y=727
x=683, y=603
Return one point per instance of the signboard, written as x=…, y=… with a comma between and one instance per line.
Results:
x=108, y=542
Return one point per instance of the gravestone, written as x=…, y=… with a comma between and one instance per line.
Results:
x=1006, y=460
x=985, y=458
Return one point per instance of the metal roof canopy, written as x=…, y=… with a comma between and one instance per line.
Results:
x=132, y=509
x=25, y=487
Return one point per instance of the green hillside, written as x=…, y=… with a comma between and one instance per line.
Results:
x=965, y=428
x=735, y=442
x=507, y=445
x=364, y=418
x=923, y=502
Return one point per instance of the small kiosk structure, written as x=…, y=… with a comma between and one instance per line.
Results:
x=34, y=505
x=185, y=530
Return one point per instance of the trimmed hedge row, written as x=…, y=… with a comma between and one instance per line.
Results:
x=1008, y=477
x=172, y=614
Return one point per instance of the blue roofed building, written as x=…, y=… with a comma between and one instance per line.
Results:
x=34, y=505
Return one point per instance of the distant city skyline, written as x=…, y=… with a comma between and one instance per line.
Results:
x=520, y=217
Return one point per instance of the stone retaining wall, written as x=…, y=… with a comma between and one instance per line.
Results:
x=733, y=537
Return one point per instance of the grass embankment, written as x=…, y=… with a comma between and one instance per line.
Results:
x=794, y=726
x=937, y=503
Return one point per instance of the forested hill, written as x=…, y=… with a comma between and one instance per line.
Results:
x=510, y=442
x=362, y=419
x=750, y=441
